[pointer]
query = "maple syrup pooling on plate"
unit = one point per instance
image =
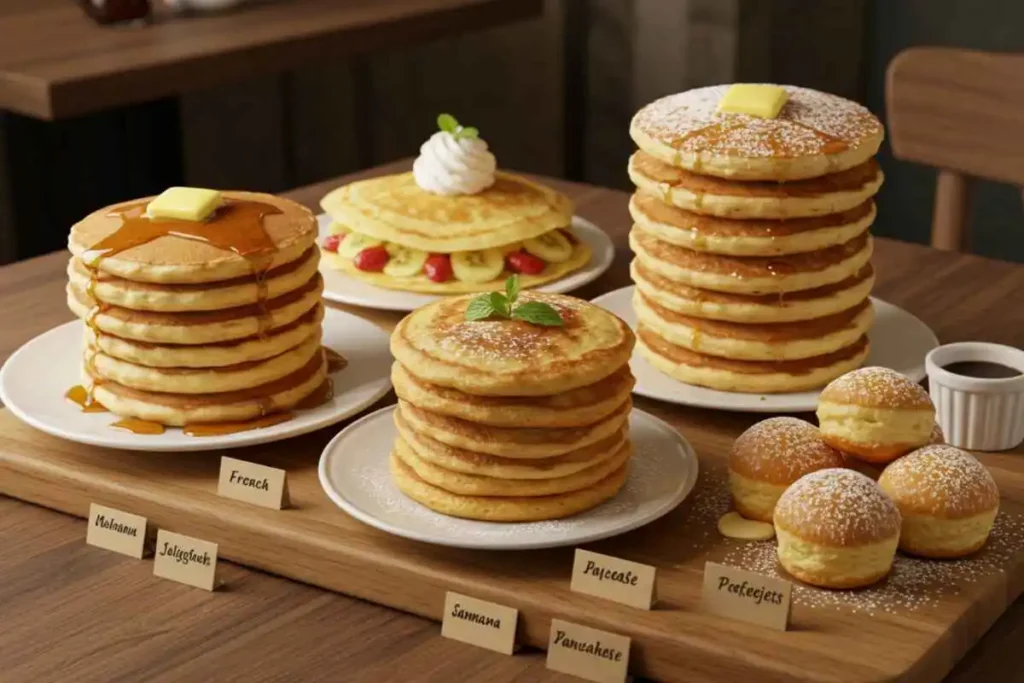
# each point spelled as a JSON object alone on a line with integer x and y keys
{"x": 235, "y": 226}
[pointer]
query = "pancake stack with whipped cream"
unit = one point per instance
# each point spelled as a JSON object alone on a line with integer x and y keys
{"x": 200, "y": 307}
{"x": 752, "y": 252}
{"x": 515, "y": 413}
{"x": 454, "y": 224}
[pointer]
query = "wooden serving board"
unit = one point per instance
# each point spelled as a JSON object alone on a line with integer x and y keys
{"x": 918, "y": 637}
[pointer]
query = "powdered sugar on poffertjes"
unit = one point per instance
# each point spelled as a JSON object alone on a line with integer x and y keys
{"x": 876, "y": 387}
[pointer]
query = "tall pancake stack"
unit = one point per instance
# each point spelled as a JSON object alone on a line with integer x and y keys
{"x": 752, "y": 265}
{"x": 503, "y": 420}
{"x": 199, "y": 321}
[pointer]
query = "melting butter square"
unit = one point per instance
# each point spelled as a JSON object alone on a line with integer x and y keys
{"x": 755, "y": 99}
{"x": 184, "y": 204}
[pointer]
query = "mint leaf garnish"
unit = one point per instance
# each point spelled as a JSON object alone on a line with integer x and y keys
{"x": 498, "y": 305}
{"x": 538, "y": 313}
{"x": 512, "y": 289}
{"x": 480, "y": 308}
{"x": 501, "y": 304}
{"x": 447, "y": 123}
{"x": 468, "y": 132}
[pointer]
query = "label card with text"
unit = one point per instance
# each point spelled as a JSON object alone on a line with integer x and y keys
{"x": 587, "y": 652}
{"x": 480, "y": 623}
{"x": 630, "y": 583}
{"x": 252, "y": 483}
{"x": 739, "y": 594}
{"x": 185, "y": 559}
{"x": 121, "y": 532}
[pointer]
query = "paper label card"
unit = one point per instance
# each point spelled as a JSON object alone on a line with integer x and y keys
{"x": 739, "y": 594}
{"x": 252, "y": 483}
{"x": 611, "y": 578}
{"x": 478, "y": 622}
{"x": 587, "y": 652}
{"x": 121, "y": 532}
{"x": 185, "y": 559}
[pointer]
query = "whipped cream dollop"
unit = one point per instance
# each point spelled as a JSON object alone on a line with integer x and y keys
{"x": 452, "y": 165}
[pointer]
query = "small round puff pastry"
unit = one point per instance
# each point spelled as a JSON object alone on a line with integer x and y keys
{"x": 947, "y": 499}
{"x": 875, "y": 414}
{"x": 770, "y": 456}
{"x": 836, "y": 529}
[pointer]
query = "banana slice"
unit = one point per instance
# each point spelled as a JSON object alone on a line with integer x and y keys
{"x": 551, "y": 246}
{"x": 336, "y": 228}
{"x": 478, "y": 266}
{"x": 509, "y": 248}
{"x": 355, "y": 242}
{"x": 404, "y": 262}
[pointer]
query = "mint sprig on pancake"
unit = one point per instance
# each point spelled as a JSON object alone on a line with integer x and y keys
{"x": 500, "y": 305}
{"x": 449, "y": 124}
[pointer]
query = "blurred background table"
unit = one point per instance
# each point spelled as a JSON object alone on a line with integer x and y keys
{"x": 70, "y": 610}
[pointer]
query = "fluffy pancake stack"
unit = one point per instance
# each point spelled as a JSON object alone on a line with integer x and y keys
{"x": 752, "y": 265}
{"x": 199, "y": 321}
{"x": 503, "y": 420}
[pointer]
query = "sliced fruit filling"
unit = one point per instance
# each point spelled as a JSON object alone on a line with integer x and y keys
{"x": 529, "y": 257}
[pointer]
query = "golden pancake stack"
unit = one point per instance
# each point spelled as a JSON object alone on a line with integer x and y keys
{"x": 198, "y": 321}
{"x": 752, "y": 252}
{"x": 508, "y": 421}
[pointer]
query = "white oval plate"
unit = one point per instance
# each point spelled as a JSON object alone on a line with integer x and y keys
{"x": 345, "y": 289}
{"x": 34, "y": 379}
{"x": 354, "y": 474}
{"x": 898, "y": 340}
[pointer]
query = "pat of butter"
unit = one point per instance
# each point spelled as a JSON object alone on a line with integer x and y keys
{"x": 755, "y": 99}
{"x": 184, "y": 204}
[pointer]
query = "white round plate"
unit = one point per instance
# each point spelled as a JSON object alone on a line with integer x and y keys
{"x": 354, "y": 474}
{"x": 898, "y": 340}
{"x": 345, "y": 289}
{"x": 35, "y": 378}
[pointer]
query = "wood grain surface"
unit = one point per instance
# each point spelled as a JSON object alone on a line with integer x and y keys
{"x": 961, "y": 297}
{"x": 55, "y": 62}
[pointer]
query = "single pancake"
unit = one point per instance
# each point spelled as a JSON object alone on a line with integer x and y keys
{"x": 203, "y": 380}
{"x": 758, "y": 342}
{"x": 484, "y": 465}
{"x": 755, "y": 377}
{"x": 748, "y": 237}
{"x": 197, "y": 327}
{"x": 574, "y": 408}
{"x": 511, "y": 442}
{"x": 750, "y": 274}
{"x": 753, "y": 308}
{"x": 815, "y": 133}
{"x": 709, "y": 196}
{"x": 259, "y": 347}
{"x": 280, "y": 232}
{"x": 501, "y": 357}
{"x": 505, "y": 509}
{"x": 206, "y": 296}
{"x": 183, "y": 409}
{"x": 464, "y": 484}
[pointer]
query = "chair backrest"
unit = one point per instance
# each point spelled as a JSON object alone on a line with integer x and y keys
{"x": 960, "y": 111}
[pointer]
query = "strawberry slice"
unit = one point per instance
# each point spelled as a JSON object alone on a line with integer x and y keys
{"x": 332, "y": 242}
{"x": 522, "y": 262}
{"x": 438, "y": 268}
{"x": 372, "y": 259}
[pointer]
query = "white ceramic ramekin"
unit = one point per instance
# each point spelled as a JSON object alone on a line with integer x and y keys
{"x": 977, "y": 413}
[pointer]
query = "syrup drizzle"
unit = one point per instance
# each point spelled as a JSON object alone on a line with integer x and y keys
{"x": 83, "y": 397}
{"x": 137, "y": 426}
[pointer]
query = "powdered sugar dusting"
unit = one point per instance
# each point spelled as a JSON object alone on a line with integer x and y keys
{"x": 876, "y": 387}
{"x": 838, "y": 506}
{"x": 914, "y": 584}
{"x": 781, "y": 450}
{"x": 942, "y": 479}
{"x": 811, "y": 122}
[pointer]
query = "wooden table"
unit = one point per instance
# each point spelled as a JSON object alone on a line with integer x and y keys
{"x": 56, "y": 63}
{"x": 70, "y": 609}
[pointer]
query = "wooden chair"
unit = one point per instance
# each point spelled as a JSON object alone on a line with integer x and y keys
{"x": 962, "y": 112}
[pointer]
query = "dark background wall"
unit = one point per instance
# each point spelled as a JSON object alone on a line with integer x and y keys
{"x": 552, "y": 95}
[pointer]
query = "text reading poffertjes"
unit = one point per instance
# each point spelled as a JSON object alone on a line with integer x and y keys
{"x": 740, "y": 594}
